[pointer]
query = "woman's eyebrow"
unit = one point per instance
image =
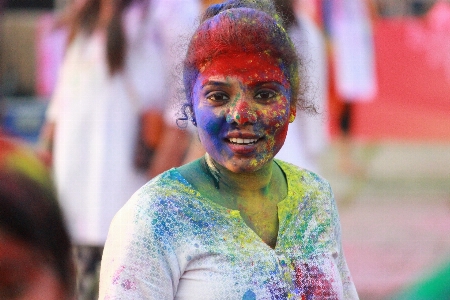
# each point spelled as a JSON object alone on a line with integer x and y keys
{"x": 266, "y": 82}
{"x": 263, "y": 83}
{"x": 215, "y": 83}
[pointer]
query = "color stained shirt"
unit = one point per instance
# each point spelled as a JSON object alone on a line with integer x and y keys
{"x": 169, "y": 242}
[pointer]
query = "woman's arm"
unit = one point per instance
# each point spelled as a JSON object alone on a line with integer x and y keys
{"x": 348, "y": 286}
{"x": 44, "y": 149}
{"x": 134, "y": 264}
{"x": 170, "y": 150}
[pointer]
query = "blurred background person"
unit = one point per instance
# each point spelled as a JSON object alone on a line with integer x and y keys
{"x": 117, "y": 66}
{"x": 349, "y": 29}
{"x": 35, "y": 250}
{"x": 308, "y": 134}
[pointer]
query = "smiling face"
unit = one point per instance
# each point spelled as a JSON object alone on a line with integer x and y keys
{"x": 242, "y": 108}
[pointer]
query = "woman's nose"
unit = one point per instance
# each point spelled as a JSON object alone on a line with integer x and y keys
{"x": 242, "y": 113}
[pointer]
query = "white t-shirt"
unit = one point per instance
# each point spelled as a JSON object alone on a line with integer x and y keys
{"x": 169, "y": 242}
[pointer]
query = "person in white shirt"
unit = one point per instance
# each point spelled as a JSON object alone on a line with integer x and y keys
{"x": 118, "y": 65}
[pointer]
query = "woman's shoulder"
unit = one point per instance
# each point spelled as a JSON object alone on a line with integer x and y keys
{"x": 311, "y": 189}
{"x": 163, "y": 206}
{"x": 166, "y": 189}
{"x": 167, "y": 185}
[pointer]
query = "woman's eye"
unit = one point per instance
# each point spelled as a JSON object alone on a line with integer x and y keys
{"x": 265, "y": 94}
{"x": 217, "y": 97}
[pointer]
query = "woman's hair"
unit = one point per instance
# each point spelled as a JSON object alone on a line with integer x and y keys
{"x": 86, "y": 19}
{"x": 286, "y": 10}
{"x": 234, "y": 27}
{"x": 29, "y": 210}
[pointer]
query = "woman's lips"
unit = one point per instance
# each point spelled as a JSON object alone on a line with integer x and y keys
{"x": 242, "y": 145}
{"x": 242, "y": 141}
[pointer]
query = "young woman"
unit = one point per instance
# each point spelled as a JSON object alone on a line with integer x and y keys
{"x": 235, "y": 224}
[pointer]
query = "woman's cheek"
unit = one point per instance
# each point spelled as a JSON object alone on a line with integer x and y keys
{"x": 273, "y": 118}
{"x": 281, "y": 136}
{"x": 210, "y": 124}
{"x": 276, "y": 127}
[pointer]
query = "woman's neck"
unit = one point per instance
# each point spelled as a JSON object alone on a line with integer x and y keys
{"x": 263, "y": 184}
{"x": 255, "y": 195}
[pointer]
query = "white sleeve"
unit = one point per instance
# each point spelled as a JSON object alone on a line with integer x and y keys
{"x": 134, "y": 264}
{"x": 64, "y": 81}
{"x": 54, "y": 105}
{"x": 348, "y": 286}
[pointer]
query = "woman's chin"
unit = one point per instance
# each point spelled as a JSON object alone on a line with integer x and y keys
{"x": 246, "y": 165}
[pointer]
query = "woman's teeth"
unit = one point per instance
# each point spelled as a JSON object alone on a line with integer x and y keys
{"x": 242, "y": 141}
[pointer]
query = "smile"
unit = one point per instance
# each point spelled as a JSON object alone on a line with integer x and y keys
{"x": 241, "y": 141}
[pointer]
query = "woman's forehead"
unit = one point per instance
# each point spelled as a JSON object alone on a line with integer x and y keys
{"x": 249, "y": 67}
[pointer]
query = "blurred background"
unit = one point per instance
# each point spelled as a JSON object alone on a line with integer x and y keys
{"x": 395, "y": 209}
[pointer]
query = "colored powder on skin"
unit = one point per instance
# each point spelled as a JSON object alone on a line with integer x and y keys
{"x": 251, "y": 67}
{"x": 266, "y": 119}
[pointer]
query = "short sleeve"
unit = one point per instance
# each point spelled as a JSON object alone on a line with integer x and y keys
{"x": 51, "y": 113}
{"x": 67, "y": 74}
{"x": 62, "y": 84}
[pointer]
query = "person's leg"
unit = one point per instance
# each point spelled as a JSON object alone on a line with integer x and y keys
{"x": 346, "y": 118}
{"x": 347, "y": 163}
{"x": 87, "y": 259}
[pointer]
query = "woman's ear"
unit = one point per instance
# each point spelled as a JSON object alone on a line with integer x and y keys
{"x": 292, "y": 113}
{"x": 193, "y": 119}
{"x": 191, "y": 114}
